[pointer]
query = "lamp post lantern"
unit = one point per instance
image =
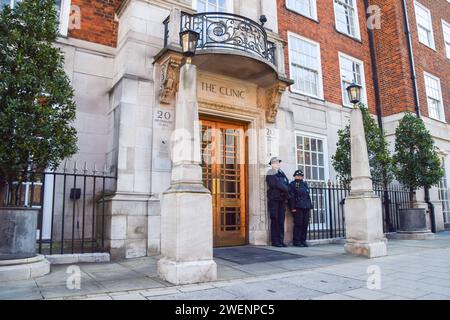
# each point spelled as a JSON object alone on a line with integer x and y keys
{"x": 354, "y": 93}
{"x": 189, "y": 40}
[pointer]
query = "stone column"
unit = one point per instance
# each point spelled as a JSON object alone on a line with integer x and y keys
{"x": 363, "y": 211}
{"x": 186, "y": 207}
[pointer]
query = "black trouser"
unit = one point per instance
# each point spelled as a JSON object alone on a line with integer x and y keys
{"x": 301, "y": 222}
{"x": 277, "y": 211}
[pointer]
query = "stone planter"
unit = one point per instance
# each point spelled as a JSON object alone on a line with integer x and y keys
{"x": 18, "y": 259}
{"x": 18, "y": 233}
{"x": 413, "y": 225}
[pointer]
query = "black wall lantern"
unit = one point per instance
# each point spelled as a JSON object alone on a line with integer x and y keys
{"x": 354, "y": 93}
{"x": 189, "y": 41}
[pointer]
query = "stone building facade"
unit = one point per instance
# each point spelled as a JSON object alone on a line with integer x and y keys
{"x": 282, "y": 96}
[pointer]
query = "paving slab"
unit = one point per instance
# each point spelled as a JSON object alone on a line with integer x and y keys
{"x": 130, "y": 284}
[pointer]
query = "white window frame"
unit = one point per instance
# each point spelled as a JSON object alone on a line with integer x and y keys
{"x": 325, "y": 150}
{"x": 325, "y": 224}
{"x": 363, "y": 79}
{"x": 63, "y": 15}
{"x": 442, "y": 109}
{"x": 432, "y": 44}
{"x": 357, "y": 34}
{"x": 444, "y": 191}
{"x": 230, "y": 8}
{"x": 446, "y": 25}
{"x": 313, "y": 5}
{"x": 320, "y": 94}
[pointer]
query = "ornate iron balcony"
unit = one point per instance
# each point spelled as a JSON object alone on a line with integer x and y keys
{"x": 220, "y": 30}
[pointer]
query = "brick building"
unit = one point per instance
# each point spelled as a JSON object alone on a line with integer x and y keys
{"x": 123, "y": 58}
{"x": 337, "y": 33}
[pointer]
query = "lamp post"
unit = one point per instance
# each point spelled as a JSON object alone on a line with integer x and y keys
{"x": 187, "y": 257}
{"x": 363, "y": 213}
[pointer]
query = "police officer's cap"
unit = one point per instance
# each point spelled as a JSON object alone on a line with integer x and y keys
{"x": 299, "y": 173}
{"x": 274, "y": 159}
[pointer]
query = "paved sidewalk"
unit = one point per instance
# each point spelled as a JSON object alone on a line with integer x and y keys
{"x": 412, "y": 270}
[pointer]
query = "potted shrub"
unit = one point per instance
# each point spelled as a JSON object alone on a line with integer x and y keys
{"x": 36, "y": 112}
{"x": 416, "y": 165}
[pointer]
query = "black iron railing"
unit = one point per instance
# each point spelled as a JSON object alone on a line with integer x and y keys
{"x": 327, "y": 215}
{"x": 220, "y": 30}
{"x": 71, "y": 208}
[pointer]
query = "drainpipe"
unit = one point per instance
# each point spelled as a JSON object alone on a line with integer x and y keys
{"x": 417, "y": 104}
{"x": 411, "y": 59}
{"x": 373, "y": 62}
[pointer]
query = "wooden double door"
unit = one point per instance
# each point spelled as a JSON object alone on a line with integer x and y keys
{"x": 224, "y": 174}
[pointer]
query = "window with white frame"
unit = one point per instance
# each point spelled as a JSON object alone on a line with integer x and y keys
{"x": 213, "y": 5}
{"x": 305, "y": 66}
{"x": 346, "y": 16}
{"x": 446, "y": 31}
{"x": 311, "y": 157}
{"x": 352, "y": 71}
{"x": 424, "y": 25}
{"x": 444, "y": 194}
{"x": 307, "y": 8}
{"x": 434, "y": 97}
{"x": 62, "y": 8}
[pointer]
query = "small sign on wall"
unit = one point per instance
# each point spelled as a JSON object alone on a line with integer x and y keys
{"x": 164, "y": 119}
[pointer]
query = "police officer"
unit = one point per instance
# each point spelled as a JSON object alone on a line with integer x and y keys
{"x": 277, "y": 195}
{"x": 300, "y": 205}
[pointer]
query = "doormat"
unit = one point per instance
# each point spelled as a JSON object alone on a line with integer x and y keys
{"x": 248, "y": 255}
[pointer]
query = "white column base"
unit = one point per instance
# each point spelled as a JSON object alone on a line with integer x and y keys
{"x": 364, "y": 226}
{"x": 187, "y": 235}
{"x": 189, "y": 272}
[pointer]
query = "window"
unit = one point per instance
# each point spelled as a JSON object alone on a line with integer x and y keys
{"x": 446, "y": 31}
{"x": 311, "y": 157}
{"x": 346, "y": 16}
{"x": 307, "y": 8}
{"x": 213, "y": 5}
{"x": 444, "y": 194}
{"x": 424, "y": 25}
{"x": 62, "y": 8}
{"x": 305, "y": 66}
{"x": 352, "y": 70}
{"x": 434, "y": 97}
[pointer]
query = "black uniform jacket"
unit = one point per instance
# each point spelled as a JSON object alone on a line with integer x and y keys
{"x": 300, "y": 195}
{"x": 278, "y": 185}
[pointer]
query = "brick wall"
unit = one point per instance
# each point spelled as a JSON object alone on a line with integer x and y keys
{"x": 97, "y": 21}
{"x": 429, "y": 60}
{"x": 331, "y": 42}
{"x": 393, "y": 58}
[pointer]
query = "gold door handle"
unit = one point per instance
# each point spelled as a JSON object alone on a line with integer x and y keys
{"x": 213, "y": 186}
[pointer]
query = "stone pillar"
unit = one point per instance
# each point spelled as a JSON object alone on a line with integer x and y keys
{"x": 186, "y": 207}
{"x": 363, "y": 211}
